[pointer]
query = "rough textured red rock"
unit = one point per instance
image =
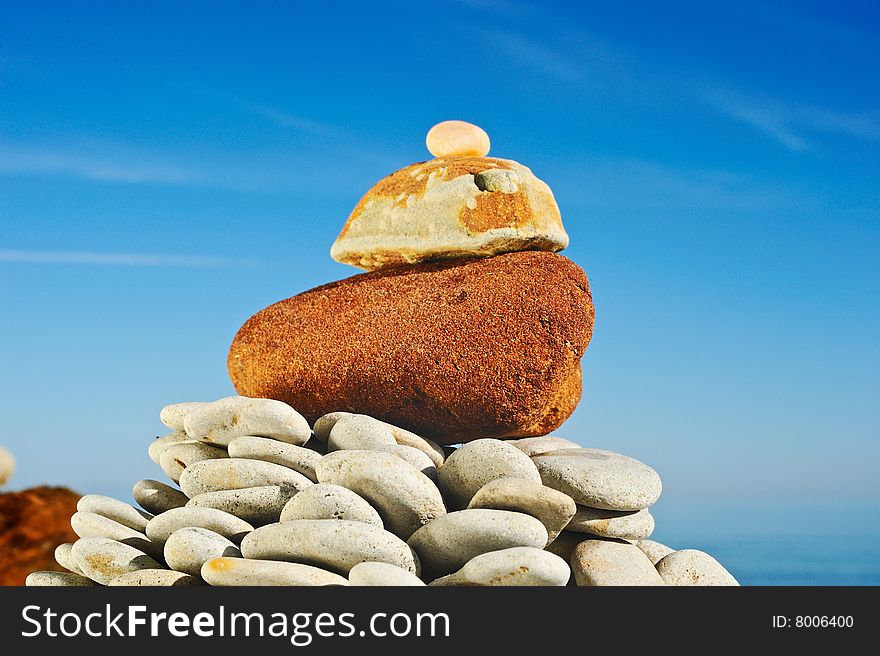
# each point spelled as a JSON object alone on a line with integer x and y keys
{"x": 455, "y": 350}
{"x": 32, "y": 523}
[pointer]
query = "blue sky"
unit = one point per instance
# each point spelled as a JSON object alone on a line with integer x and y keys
{"x": 168, "y": 169}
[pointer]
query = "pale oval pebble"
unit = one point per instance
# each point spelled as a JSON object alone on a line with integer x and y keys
{"x": 328, "y": 501}
{"x": 325, "y": 424}
{"x": 222, "y": 421}
{"x": 535, "y": 446}
{"x": 476, "y": 463}
{"x": 102, "y": 559}
{"x": 654, "y": 550}
{"x": 114, "y": 509}
{"x": 157, "y": 497}
{"x": 298, "y": 458}
{"x": 160, "y": 528}
{"x": 64, "y": 558}
{"x": 457, "y": 139}
{"x": 158, "y": 446}
{"x": 600, "y": 479}
{"x": 245, "y": 572}
{"x": 155, "y": 578}
{"x": 552, "y": 508}
{"x": 187, "y": 549}
{"x": 416, "y": 457}
{"x": 358, "y": 432}
{"x": 334, "y": 544}
{"x": 237, "y": 473}
{"x": 90, "y": 525}
{"x": 405, "y": 498}
{"x": 173, "y": 415}
{"x": 407, "y": 438}
{"x": 691, "y": 567}
{"x": 517, "y": 566}
{"x": 448, "y": 542}
{"x": 627, "y": 525}
{"x": 601, "y": 561}
{"x": 371, "y": 573}
{"x": 7, "y": 466}
{"x": 56, "y": 580}
{"x": 178, "y": 457}
{"x": 434, "y": 451}
{"x": 255, "y": 505}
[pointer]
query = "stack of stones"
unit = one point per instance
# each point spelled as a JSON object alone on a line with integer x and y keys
{"x": 467, "y": 329}
{"x": 467, "y": 325}
{"x": 262, "y": 498}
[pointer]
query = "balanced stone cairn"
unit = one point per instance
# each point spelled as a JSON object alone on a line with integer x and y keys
{"x": 467, "y": 325}
{"x": 262, "y": 498}
{"x": 393, "y": 428}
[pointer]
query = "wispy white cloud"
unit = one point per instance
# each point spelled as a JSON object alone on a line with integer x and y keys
{"x": 768, "y": 120}
{"x": 798, "y": 17}
{"x": 266, "y": 170}
{"x": 507, "y": 7}
{"x": 531, "y": 53}
{"x": 792, "y": 124}
{"x": 858, "y": 125}
{"x": 581, "y": 61}
{"x": 584, "y": 62}
{"x": 123, "y": 259}
{"x": 635, "y": 184}
{"x": 101, "y": 166}
{"x": 278, "y": 115}
{"x": 288, "y": 120}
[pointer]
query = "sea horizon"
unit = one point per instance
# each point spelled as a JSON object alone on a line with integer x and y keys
{"x": 787, "y": 543}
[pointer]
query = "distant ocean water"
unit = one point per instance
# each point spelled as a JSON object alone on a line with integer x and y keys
{"x": 778, "y": 544}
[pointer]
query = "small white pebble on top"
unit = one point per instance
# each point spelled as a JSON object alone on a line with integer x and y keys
{"x": 457, "y": 139}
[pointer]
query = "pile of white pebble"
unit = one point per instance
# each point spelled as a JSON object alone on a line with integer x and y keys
{"x": 265, "y": 499}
